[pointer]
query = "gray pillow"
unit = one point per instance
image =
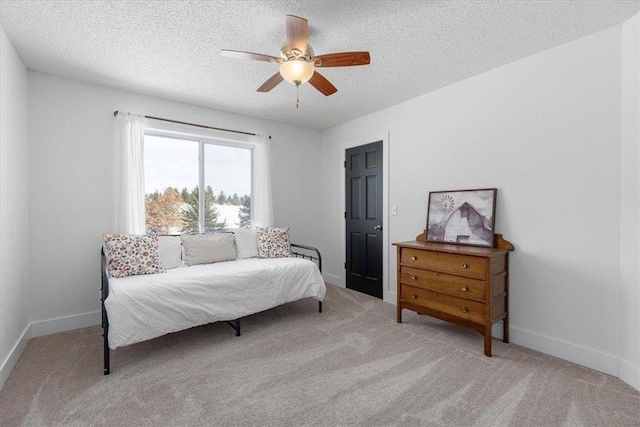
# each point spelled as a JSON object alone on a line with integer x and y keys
{"x": 208, "y": 248}
{"x": 246, "y": 243}
{"x": 170, "y": 251}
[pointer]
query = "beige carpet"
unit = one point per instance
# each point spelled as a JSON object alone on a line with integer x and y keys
{"x": 351, "y": 365}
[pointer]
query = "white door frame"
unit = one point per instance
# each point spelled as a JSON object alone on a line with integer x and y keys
{"x": 387, "y": 294}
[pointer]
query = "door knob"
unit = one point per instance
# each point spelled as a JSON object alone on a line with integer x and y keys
{"x": 378, "y": 227}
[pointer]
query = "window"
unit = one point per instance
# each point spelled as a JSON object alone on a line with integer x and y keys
{"x": 196, "y": 185}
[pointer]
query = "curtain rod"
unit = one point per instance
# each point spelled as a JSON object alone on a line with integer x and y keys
{"x": 115, "y": 114}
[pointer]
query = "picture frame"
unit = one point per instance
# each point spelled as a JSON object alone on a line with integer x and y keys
{"x": 462, "y": 217}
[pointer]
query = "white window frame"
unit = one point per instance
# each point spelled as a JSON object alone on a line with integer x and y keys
{"x": 202, "y": 139}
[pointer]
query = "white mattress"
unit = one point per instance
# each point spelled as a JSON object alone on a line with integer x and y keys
{"x": 148, "y": 306}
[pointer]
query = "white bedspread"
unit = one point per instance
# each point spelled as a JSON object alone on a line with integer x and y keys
{"x": 148, "y": 306}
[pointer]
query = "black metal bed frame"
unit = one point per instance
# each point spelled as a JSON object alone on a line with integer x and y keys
{"x": 235, "y": 324}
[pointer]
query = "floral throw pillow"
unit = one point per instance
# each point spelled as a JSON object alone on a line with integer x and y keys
{"x": 132, "y": 254}
{"x": 273, "y": 242}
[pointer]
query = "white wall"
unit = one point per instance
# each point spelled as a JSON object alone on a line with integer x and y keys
{"x": 70, "y": 142}
{"x": 14, "y": 312}
{"x": 546, "y": 132}
{"x": 630, "y": 205}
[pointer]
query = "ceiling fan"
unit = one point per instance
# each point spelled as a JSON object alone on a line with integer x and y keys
{"x": 298, "y": 62}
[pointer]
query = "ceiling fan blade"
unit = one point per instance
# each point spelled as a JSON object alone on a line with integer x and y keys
{"x": 322, "y": 84}
{"x": 271, "y": 83}
{"x": 238, "y": 54}
{"x": 297, "y": 33}
{"x": 343, "y": 59}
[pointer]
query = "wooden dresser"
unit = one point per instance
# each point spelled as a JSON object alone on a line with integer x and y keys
{"x": 465, "y": 285}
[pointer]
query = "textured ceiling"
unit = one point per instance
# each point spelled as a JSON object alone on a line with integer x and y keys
{"x": 171, "y": 49}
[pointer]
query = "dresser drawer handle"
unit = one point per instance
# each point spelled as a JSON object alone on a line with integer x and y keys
{"x": 465, "y": 310}
{"x": 413, "y": 258}
{"x": 414, "y": 296}
{"x": 465, "y": 266}
{"x": 413, "y": 277}
{"x": 464, "y": 288}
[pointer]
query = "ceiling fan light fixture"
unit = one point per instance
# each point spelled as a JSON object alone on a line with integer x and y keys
{"x": 297, "y": 71}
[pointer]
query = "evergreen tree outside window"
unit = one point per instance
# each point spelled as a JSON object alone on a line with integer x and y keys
{"x": 182, "y": 178}
{"x": 245, "y": 212}
{"x": 190, "y": 216}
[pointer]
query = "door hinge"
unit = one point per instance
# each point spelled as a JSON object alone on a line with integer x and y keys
{"x": 345, "y": 265}
{"x": 345, "y": 214}
{"x": 345, "y": 163}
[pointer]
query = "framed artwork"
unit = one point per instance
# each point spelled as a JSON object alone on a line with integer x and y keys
{"x": 462, "y": 217}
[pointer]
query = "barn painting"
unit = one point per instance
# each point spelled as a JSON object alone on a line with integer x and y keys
{"x": 465, "y": 217}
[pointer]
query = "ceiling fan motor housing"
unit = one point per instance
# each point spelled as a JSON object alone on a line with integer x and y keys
{"x": 289, "y": 54}
{"x": 296, "y": 67}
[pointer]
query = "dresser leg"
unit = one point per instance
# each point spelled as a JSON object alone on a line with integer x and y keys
{"x": 399, "y": 314}
{"x": 505, "y": 331}
{"x": 487, "y": 341}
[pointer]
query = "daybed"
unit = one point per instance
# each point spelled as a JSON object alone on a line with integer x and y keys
{"x": 141, "y": 307}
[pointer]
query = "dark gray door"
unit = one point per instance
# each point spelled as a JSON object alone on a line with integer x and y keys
{"x": 363, "y": 182}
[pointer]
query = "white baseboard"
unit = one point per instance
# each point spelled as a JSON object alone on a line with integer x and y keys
{"x": 10, "y": 362}
{"x": 66, "y": 323}
{"x": 392, "y": 298}
{"x": 497, "y": 331}
{"x": 629, "y": 374}
{"x": 571, "y": 352}
{"x": 561, "y": 349}
{"x": 333, "y": 279}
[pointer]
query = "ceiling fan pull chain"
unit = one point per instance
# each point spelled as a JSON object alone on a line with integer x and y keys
{"x": 298, "y": 95}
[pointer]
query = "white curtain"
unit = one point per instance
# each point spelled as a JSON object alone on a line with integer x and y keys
{"x": 262, "y": 202}
{"x": 129, "y": 174}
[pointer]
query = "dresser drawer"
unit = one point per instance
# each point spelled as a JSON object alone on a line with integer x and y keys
{"x": 460, "y": 265}
{"x": 464, "y": 309}
{"x": 462, "y": 287}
